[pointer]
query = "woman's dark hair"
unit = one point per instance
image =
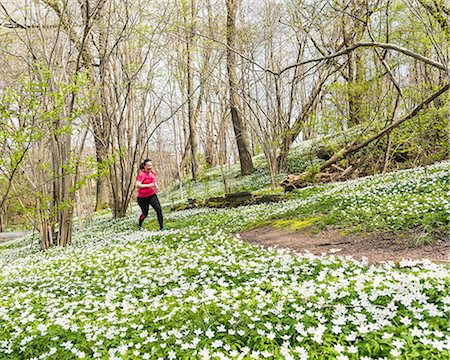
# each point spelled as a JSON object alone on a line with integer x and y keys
{"x": 142, "y": 166}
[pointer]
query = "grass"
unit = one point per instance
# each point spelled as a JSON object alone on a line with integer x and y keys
{"x": 295, "y": 224}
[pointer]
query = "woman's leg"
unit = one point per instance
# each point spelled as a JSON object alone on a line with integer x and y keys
{"x": 154, "y": 202}
{"x": 144, "y": 205}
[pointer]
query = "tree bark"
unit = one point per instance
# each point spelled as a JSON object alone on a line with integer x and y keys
{"x": 190, "y": 94}
{"x": 355, "y": 64}
{"x": 245, "y": 156}
{"x": 102, "y": 194}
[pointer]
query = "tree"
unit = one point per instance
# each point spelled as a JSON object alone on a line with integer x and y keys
{"x": 239, "y": 127}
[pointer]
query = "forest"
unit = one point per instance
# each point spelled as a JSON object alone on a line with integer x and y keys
{"x": 301, "y": 151}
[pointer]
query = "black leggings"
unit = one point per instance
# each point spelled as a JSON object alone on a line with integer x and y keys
{"x": 144, "y": 203}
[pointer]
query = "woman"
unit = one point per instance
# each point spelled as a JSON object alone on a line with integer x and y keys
{"x": 147, "y": 189}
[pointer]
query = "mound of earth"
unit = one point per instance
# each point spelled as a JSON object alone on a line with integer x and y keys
{"x": 375, "y": 246}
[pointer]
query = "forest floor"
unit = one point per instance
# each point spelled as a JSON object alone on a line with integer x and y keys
{"x": 199, "y": 291}
{"x": 378, "y": 246}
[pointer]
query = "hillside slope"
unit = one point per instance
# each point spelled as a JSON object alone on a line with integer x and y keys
{"x": 307, "y": 156}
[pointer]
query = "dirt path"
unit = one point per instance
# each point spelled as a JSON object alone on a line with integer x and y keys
{"x": 377, "y": 246}
{"x": 11, "y": 235}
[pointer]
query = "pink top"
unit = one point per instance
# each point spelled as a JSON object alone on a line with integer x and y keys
{"x": 146, "y": 178}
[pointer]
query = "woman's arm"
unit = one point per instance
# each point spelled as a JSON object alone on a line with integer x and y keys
{"x": 140, "y": 185}
{"x": 157, "y": 190}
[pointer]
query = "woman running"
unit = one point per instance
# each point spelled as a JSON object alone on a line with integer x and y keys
{"x": 147, "y": 189}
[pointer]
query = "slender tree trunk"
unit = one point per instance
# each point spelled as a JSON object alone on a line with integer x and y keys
{"x": 101, "y": 124}
{"x": 355, "y": 65}
{"x": 190, "y": 94}
{"x": 102, "y": 194}
{"x": 2, "y": 220}
{"x": 210, "y": 155}
{"x": 185, "y": 156}
{"x": 245, "y": 155}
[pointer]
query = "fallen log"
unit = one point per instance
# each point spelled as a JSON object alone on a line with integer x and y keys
{"x": 230, "y": 200}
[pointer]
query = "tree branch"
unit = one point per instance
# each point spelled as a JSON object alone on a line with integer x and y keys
{"x": 370, "y": 44}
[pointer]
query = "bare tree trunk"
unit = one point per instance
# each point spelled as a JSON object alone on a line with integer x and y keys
{"x": 355, "y": 63}
{"x": 102, "y": 194}
{"x": 190, "y": 93}
{"x": 245, "y": 156}
{"x": 210, "y": 154}
{"x": 185, "y": 156}
{"x": 180, "y": 182}
{"x": 2, "y": 220}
